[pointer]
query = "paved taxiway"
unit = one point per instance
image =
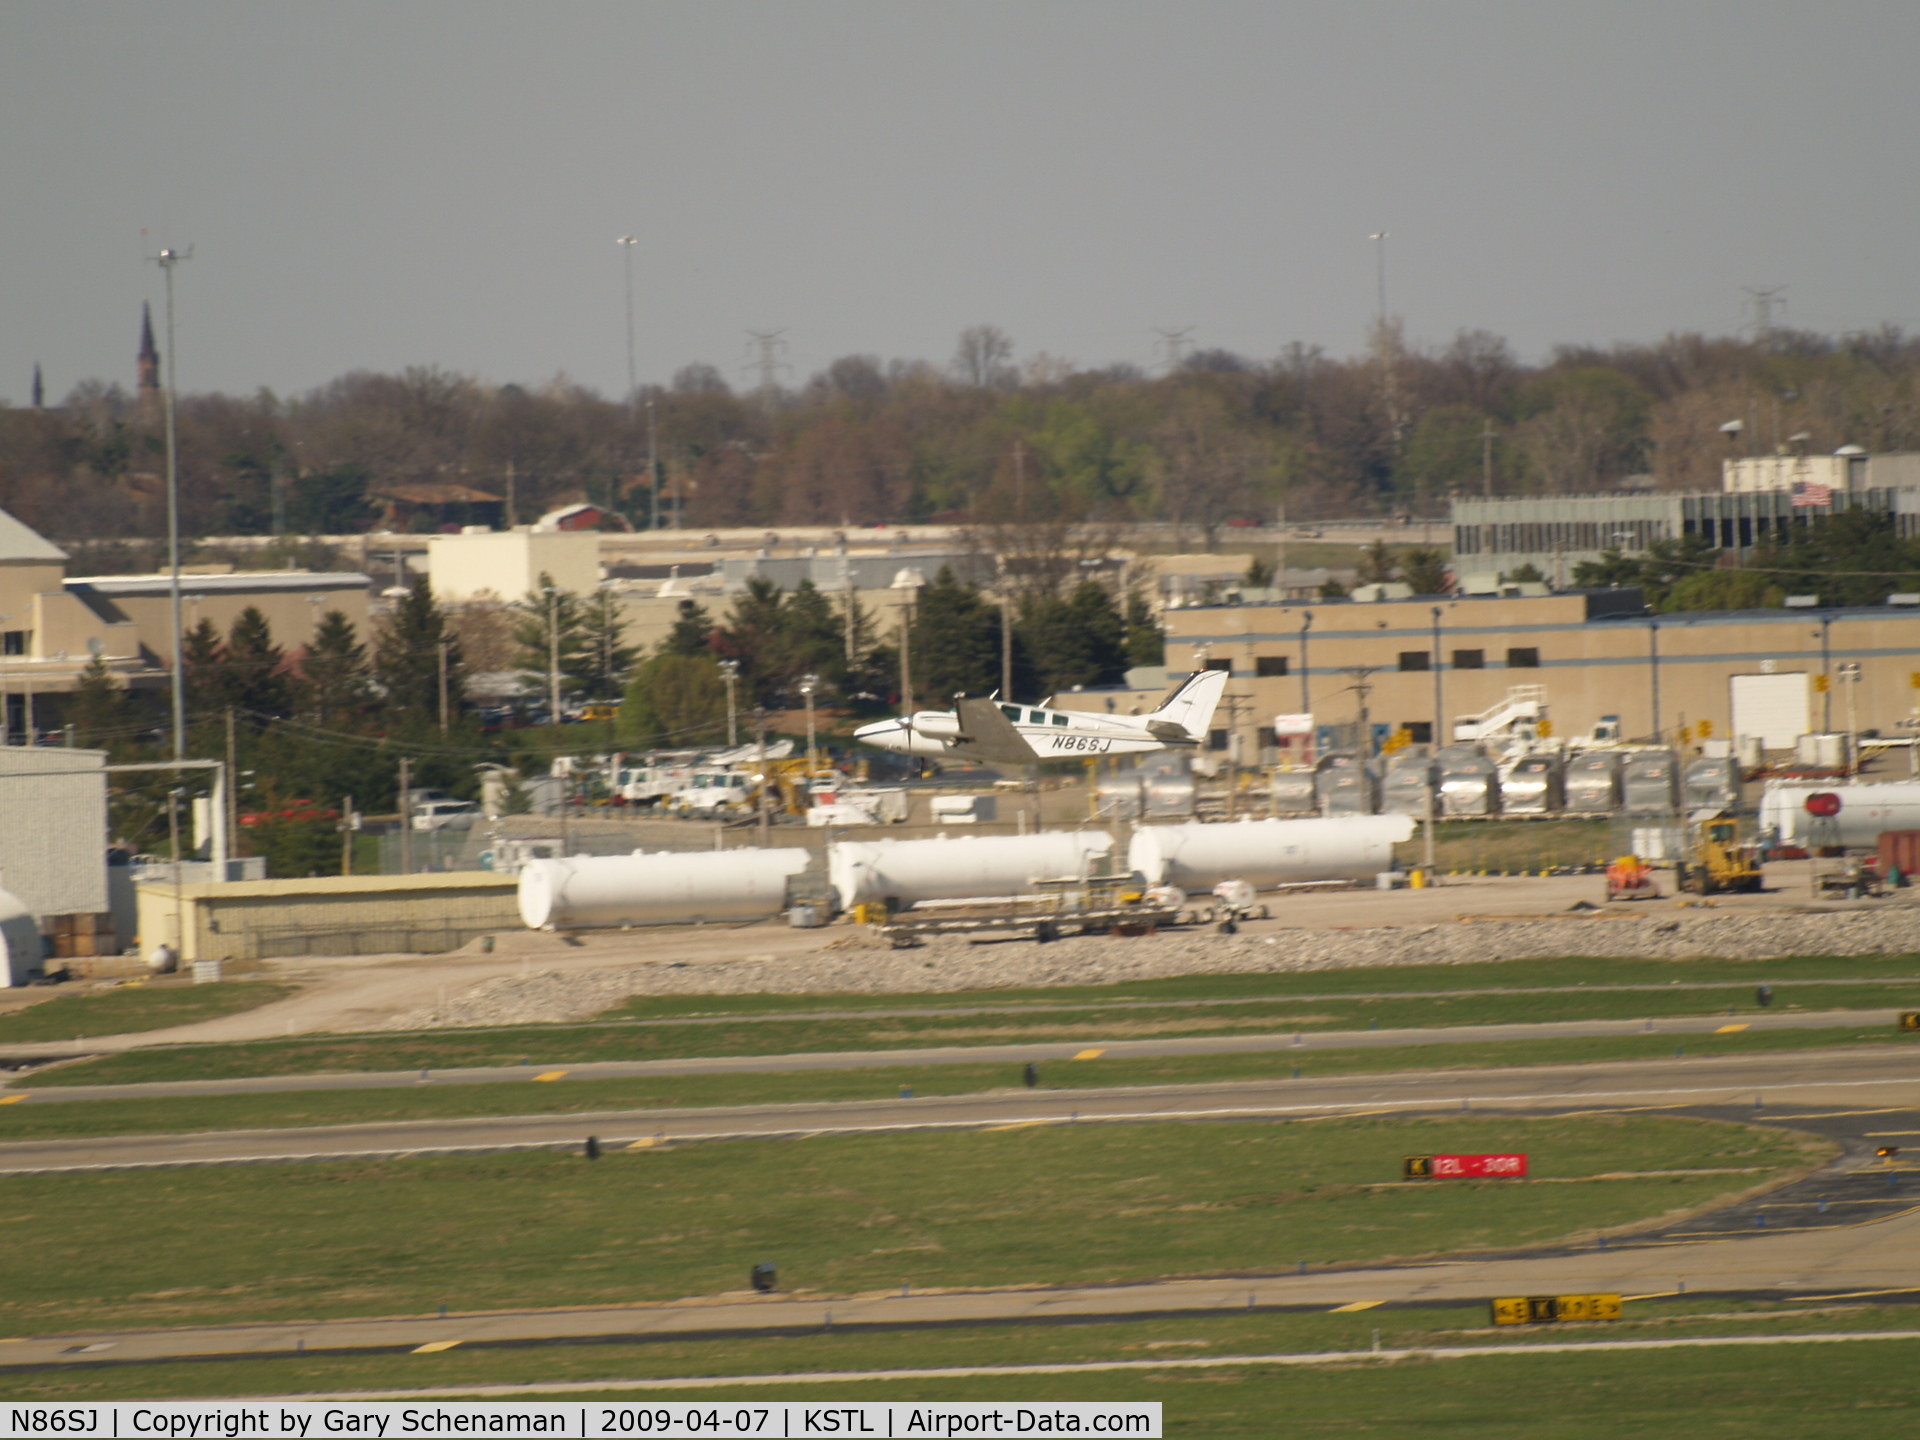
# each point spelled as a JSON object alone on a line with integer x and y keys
{"x": 1012, "y": 1055}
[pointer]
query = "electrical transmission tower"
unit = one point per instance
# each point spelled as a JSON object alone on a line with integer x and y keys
{"x": 765, "y": 352}
{"x": 1762, "y": 297}
{"x": 1174, "y": 346}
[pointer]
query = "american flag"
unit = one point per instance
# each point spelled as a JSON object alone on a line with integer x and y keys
{"x": 1809, "y": 492}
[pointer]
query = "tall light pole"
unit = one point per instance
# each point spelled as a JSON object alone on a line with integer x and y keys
{"x": 808, "y": 684}
{"x": 907, "y": 583}
{"x": 166, "y": 260}
{"x": 730, "y": 672}
{"x": 1379, "y": 238}
{"x": 626, "y": 244}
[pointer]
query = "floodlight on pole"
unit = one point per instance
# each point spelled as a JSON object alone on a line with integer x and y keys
{"x": 730, "y": 672}
{"x": 166, "y": 260}
{"x": 809, "y": 684}
{"x": 626, "y": 244}
{"x": 1379, "y": 238}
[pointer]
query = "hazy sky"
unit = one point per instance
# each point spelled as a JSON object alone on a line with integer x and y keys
{"x": 374, "y": 185}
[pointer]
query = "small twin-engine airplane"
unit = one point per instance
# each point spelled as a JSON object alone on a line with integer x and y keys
{"x": 991, "y": 729}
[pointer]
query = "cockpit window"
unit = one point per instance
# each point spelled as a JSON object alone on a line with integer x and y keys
{"x": 1036, "y": 717}
{"x": 1059, "y": 719}
{"x": 1012, "y": 712}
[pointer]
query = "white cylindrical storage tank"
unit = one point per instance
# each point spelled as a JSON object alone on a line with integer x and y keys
{"x": 1267, "y": 853}
{"x": 596, "y": 891}
{"x": 1865, "y": 810}
{"x": 864, "y": 872}
{"x": 22, "y": 951}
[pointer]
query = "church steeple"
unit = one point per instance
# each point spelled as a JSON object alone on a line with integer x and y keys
{"x": 149, "y": 356}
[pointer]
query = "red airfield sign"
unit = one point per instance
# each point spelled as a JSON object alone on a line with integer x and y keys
{"x": 1463, "y": 1167}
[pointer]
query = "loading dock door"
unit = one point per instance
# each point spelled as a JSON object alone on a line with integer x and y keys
{"x": 1774, "y": 707}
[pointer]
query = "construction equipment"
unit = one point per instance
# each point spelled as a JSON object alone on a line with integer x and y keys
{"x": 1631, "y": 878}
{"x": 1718, "y": 861}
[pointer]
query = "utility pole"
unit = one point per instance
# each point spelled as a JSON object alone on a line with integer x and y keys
{"x": 1653, "y": 668}
{"x": 1486, "y": 458}
{"x": 166, "y": 260}
{"x": 847, "y": 576}
{"x": 232, "y": 787}
{"x": 173, "y": 847}
{"x": 1006, "y": 648}
{"x": 1235, "y": 704}
{"x": 1019, "y": 478}
{"x": 1306, "y": 696}
{"x": 766, "y": 780}
{"x": 730, "y": 672}
{"x": 1439, "y": 734}
{"x": 653, "y": 469}
{"x": 553, "y": 655}
{"x": 444, "y": 642}
{"x": 1362, "y": 688}
{"x": 808, "y": 684}
{"x": 406, "y": 815}
{"x": 346, "y": 836}
{"x": 513, "y": 508}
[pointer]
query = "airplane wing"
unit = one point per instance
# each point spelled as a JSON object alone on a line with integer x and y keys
{"x": 988, "y": 734}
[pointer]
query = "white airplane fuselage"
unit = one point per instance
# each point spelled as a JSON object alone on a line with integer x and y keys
{"x": 1053, "y": 734}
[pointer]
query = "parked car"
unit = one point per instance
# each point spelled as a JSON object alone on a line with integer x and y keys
{"x": 445, "y": 815}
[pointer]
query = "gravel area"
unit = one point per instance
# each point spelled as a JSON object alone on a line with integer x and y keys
{"x": 858, "y": 963}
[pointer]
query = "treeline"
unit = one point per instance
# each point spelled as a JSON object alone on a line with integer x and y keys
{"x": 1222, "y": 437}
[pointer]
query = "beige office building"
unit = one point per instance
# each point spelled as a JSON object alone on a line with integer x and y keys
{"x": 52, "y": 624}
{"x": 1596, "y": 654}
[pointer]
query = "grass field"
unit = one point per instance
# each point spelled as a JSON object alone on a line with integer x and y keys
{"x": 1794, "y": 1391}
{"x": 127, "y": 1009}
{"x": 176, "y": 1115}
{"x": 838, "y": 1214}
{"x": 686, "y": 1026}
{"x": 1473, "y": 845}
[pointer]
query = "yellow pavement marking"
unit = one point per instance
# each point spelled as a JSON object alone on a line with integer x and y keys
{"x": 647, "y": 1142}
{"x": 1356, "y": 1305}
{"x": 1730, "y": 1029}
{"x": 1847, "y": 1114}
{"x": 1871, "y": 1134}
{"x": 1861, "y": 1294}
{"x": 1016, "y": 1125}
{"x": 1089, "y": 1054}
{"x": 550, "y": 1075}
{"x": 434, "y": 1347}
{"x": 11, "y": 1099}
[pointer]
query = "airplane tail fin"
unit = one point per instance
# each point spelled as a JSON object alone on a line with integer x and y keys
{"x": 1191, "y": 703}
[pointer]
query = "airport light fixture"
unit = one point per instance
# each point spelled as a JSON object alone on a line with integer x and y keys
{"x": 167, "y": 260}
{"x": 809, "y": 684}
{"x": 730, "y": 672}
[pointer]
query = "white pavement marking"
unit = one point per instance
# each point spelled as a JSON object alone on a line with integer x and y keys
{"x": 1089, "y": 1367}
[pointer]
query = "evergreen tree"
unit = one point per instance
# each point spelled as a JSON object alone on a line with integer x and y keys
{"x": 203, "y": 659}
{"x": 335, "y": 671}
{"x": 1377, "y": 565}
{"x": 1078, "y": 639}
{"x": 812, "y": 640}
{"x": 552, "y": 626}
{"x": 98, "y": 708}
{"x": 692, "y": 629}
{"x": 1426, "y": 570}
{"x": 406, "y": 660}
{"x": 1146, "y": 641}
{"x": 955, "y": 642}
{"x": 607, "y": 659}
{"x": 752, "y": 636}
{"x": 254, "y": 682}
